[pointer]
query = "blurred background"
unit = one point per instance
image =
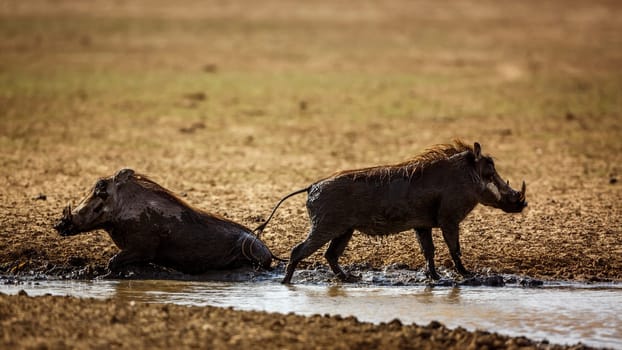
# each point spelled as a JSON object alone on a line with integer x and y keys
{"x": 232, "y": 104}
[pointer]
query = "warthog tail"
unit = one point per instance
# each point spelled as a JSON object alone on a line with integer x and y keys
{"x": 261, "y": 227}
{"x": 279, "y": 259}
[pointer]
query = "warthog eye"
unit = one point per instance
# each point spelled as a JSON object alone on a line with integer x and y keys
{"x": 100, "y": 189}
{"x": 487, "y": 169}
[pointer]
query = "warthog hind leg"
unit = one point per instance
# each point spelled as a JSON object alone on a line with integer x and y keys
{"x": 313, "y": 242}
{"x": 334, "y": 251}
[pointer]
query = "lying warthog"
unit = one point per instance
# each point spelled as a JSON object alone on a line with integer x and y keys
{"x": 437, "y": 188}
{"x": 150, "y": 224}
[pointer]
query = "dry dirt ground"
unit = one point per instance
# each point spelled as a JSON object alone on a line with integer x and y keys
{"x": 232, "y": 106}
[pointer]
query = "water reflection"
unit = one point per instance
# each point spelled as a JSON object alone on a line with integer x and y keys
{"x": 336, "y": 291}
{"x": 453, "y": 297}
{"x": 561, "y": 314}
{"x": 434, "y": 295}
{"x": 153, "y": 291}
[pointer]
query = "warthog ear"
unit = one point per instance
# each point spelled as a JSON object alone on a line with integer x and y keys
{"x": 123, "y": 175}
{"x": 477, "y": 151}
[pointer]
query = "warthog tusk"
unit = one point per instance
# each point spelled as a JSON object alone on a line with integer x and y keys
{"x": 67, "y": 212}
{"x": 522, "y": 191}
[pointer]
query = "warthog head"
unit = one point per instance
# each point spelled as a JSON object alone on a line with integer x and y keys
{"x": 96, "y": 209}
{"x": 494, "y": 191}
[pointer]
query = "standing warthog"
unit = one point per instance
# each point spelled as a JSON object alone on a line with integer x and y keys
{"x": 150, "y": 224}
{"x": 437, "y": 188}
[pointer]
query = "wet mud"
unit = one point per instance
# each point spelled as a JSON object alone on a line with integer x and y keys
{"x": 318, "y": 274}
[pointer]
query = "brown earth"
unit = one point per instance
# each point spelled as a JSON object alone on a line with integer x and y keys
{"x": 233, "y": 106}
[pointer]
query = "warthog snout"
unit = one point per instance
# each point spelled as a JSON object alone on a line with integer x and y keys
{"x": 516, "y": 201}
{"x": 65, "y": 225}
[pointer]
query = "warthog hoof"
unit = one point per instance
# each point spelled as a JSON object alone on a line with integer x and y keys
{"x": 349, "y": 278}
{"x": 465, "y": 273}
{"x": 433, "y": 275}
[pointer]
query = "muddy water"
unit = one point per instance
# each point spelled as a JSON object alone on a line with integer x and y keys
{"x": 563, "y": 313}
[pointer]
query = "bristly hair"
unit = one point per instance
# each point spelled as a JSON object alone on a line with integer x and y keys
{"x": 410, "y": 167}
{"x": 148, "y": 184}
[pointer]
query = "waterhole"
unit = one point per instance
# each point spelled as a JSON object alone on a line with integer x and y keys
{"x": 560, "y": 312}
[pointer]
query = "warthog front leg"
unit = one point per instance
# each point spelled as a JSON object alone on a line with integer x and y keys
{"x": 451, "y": 236}
{"x": 424, "y": 235}
{"x": 124, "y": 258}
